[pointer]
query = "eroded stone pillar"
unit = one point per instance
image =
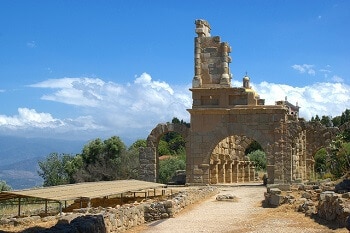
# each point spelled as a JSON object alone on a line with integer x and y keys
{"x": 235, "y": 171}
{"x": 214, "y": 172}
{"x": 222, "y": 171}
{"x": 228, "y": 178}
{"x": 148, "y": 164}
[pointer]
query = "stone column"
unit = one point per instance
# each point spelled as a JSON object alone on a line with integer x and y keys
{"x": 214, "y": 172}
{"x": 225, "y": 76}
{"x": 221, "y": 173}
{"x": 252, "y": 172}
{"x": 228, "y": 178}
{"x": 241, "y": 171}
{"x": 235, "y": 171}
{"x": 247, "y": 171}
{"x": 197, "y": 80}
{"x": 148, "y": 164}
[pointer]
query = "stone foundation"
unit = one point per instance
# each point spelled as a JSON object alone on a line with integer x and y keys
{"x": 119, "y": 218}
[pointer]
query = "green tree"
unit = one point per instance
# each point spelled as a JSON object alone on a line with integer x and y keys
{"x": 336, "y": 121}
{"x": 54, "y": 169}
{"x": 345, "y": 116}
{"x": 339, "y": 157}
{"x": 317, "y": 118}
{"x": 130, "y": 160}
{"x": 326, "y": 121}
{"x": 163, "y": 148}
{"x": 259, "y": 159}
{"x": 4, "y": 186}
{"x": 253, "y": 147}
{"x": 168, "y": 167}
{"x": 321, "y": 158}
{"x": 102, "y": 160}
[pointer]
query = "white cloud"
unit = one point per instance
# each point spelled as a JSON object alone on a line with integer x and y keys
{"x": 337, "y": 79}
{"x": 305, "y": 68}
{"x": 132, "y": 110}
{"x": 140, "y": 105}
{"x": 329, "y": 99}
{"x": 29, "y": 118}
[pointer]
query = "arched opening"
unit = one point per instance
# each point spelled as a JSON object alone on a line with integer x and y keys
{"x": 149, "y": 156}
{"x": 229, "y": 162}
{"x": 257, "y": 155}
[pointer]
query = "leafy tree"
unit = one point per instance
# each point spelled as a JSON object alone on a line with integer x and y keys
{"x": 259, "y": 158}
{"x": 102, "y": 160}
{"x": 345, "y": 116}
{"x": 339, "y": 158}
{"x": 336, "y": 121}
{"x": 54, "y": 169}
{"x": 253, "y": 147}
{"x": 326, "y": 121}
{"x": 4, "y": 186}
{"x": 163, "y": 148}
{"x": 175, "y": 120}
{"x": 168, "y": 167}
{"x": 317, "y": 118}
{"x": 130, "y": 160}
{"x": 321, "y": 157}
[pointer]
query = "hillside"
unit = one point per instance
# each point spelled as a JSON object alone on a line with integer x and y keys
{"x": 19, "y": 158}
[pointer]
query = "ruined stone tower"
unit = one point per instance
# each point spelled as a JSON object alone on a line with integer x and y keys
{"x": 226, "y": 119}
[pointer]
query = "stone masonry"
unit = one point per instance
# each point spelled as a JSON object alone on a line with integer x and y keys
{"x": 226, "y": 119}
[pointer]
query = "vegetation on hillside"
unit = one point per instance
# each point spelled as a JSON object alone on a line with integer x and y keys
{"x": 111, "y": 159}
{"x": 334, "y": 160}
{"x": 99, "y": 161}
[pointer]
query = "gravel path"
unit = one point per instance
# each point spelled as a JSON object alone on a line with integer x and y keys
{"x": 243, "y": 215}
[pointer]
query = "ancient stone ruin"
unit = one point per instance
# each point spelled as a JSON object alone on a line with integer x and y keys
{"x": 226, "y": 119}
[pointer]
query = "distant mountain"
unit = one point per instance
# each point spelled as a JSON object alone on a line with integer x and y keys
{"x": 19, "y": 158}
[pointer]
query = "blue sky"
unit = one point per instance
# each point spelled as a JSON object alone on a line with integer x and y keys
{"x": 88, "y": 69}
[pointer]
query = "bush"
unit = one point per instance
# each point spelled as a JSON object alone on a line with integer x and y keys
{"x": 259, "y": 158}
{"x": 168, "y": 167}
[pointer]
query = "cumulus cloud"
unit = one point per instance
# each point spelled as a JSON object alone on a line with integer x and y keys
{"x": 133, "y": 109}
{"x": 29, "y": 118}
{"x": 326, "y": 98}
{"x": 305, "y": 68}
{"x": 122, "y": 108}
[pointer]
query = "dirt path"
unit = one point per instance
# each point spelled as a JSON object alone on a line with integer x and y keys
{"x": 244, "y": 215}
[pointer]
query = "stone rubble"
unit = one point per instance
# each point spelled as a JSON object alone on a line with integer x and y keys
{"x": 314, "y": 200}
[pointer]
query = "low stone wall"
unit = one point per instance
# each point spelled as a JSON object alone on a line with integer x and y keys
{"x": 119, "y": 218}
{"x": 169, "y": 208}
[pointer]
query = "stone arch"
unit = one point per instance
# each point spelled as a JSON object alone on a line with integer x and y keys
{"x": 225, "y": 130}
{"x": 148, "y": 156}
{"x": 228, "y": 163}
{"x": 219, "y": 134}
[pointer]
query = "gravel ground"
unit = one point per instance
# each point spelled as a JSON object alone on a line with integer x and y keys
{"x": 246, "y": 214}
